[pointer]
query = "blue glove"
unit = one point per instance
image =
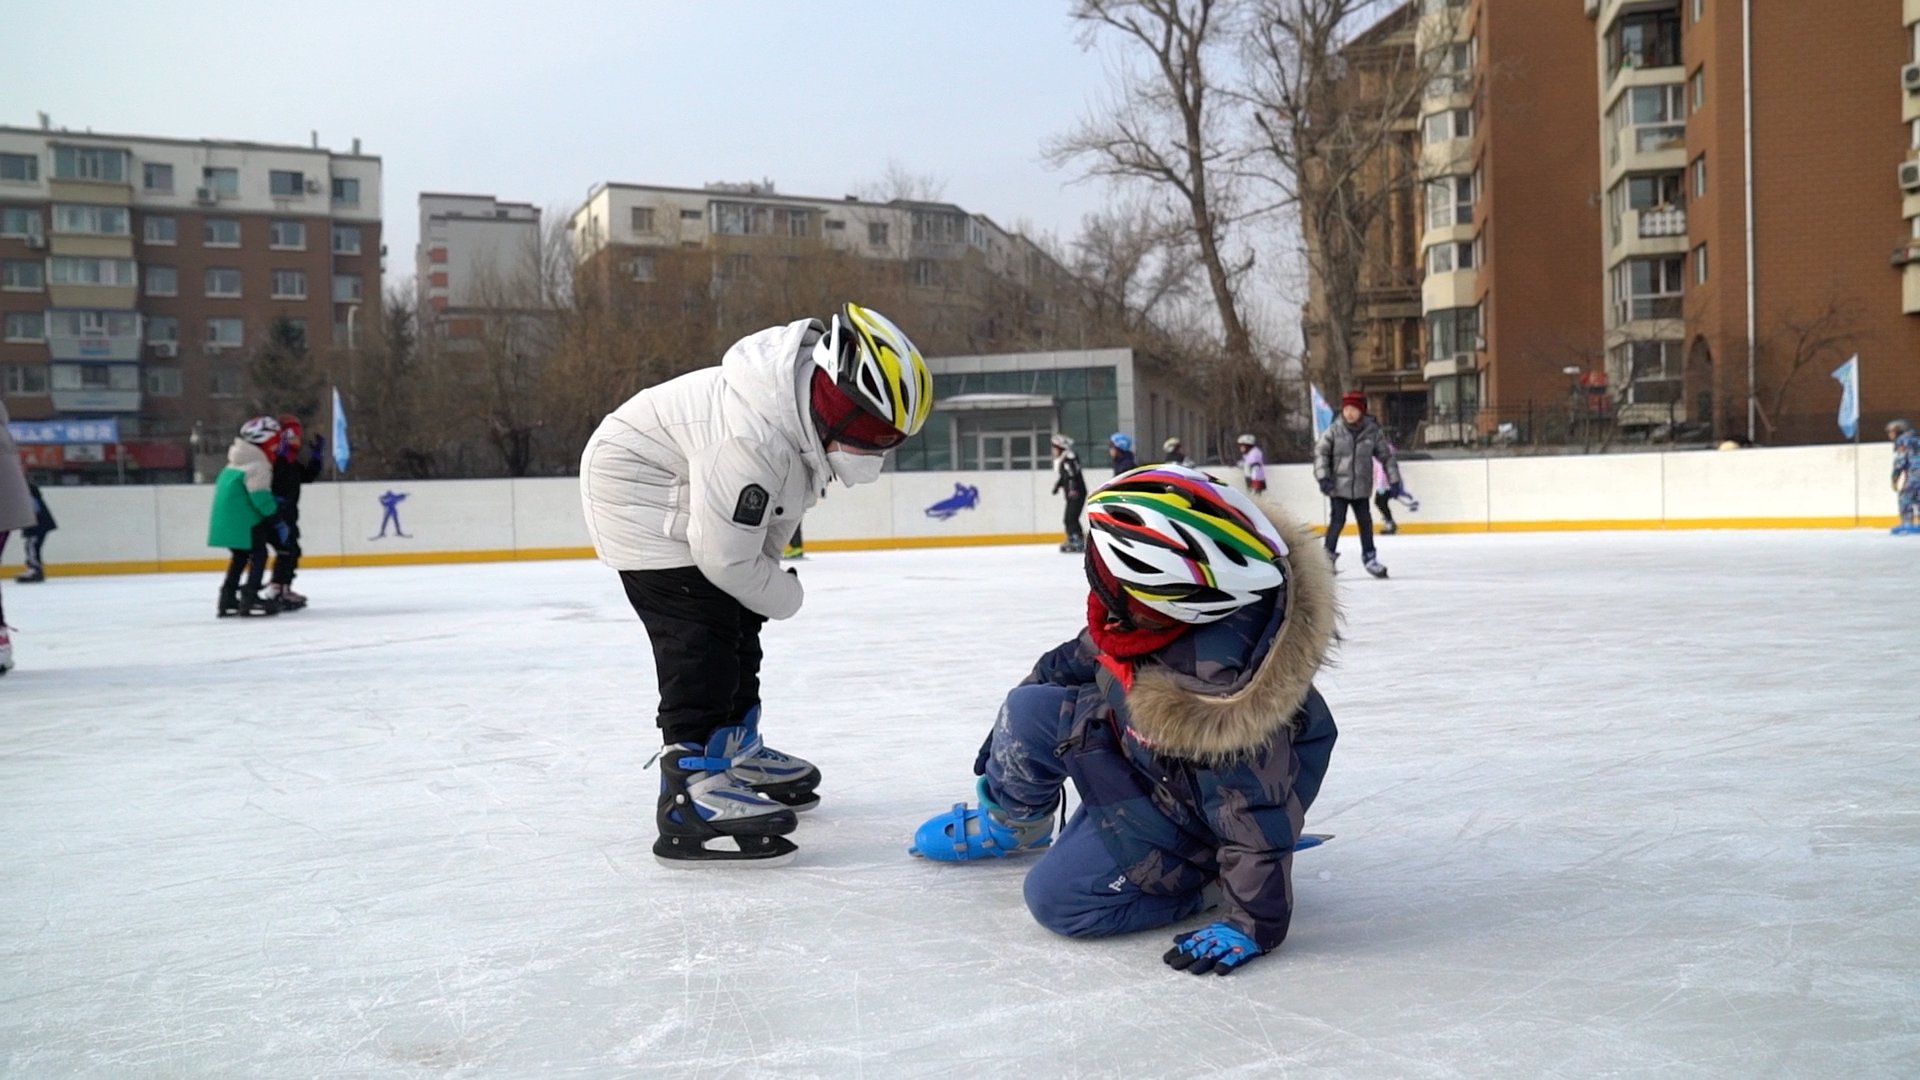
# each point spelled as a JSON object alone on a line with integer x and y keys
{"x": 1218, "y": 948}
{"x": 318, "y": 442}
{"x": 280, "y": 531}
{"x": 1396, "y": 491}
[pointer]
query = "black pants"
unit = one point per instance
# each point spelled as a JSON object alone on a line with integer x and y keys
{"x": 706, "y": 650}
{"x": 253, "y": 560}
{"x": 1361, "y": 517}
{"x": 1385, "y": 506}
{"x": 34, "y": 538}
{"x": 286, "y": 555}
{"x": 1075, "y": 504}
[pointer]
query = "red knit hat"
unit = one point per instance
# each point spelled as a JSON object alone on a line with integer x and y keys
{"x": 1354, "y": 398}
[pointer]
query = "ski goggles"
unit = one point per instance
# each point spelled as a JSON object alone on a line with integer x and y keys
{"x": 841, "y": 420}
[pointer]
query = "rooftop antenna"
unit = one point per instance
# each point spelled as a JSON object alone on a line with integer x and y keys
{"x": 46, "y": 122}
{"x": 315, "y": 134}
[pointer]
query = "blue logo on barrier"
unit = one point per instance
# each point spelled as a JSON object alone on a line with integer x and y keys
{"x": 390, "y": 502}
{"x": 964, "y": 497}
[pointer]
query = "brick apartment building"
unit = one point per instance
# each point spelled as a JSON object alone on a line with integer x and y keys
{"x": 141, "y": 272}
{"x": 1564, "y": 278}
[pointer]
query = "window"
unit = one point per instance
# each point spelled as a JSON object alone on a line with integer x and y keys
{"x": 1700, "y": 177}
{"x": 282, "y": 184}
{"x": 1456, "y": 398}
{"x": 1648, "y": 288}
{"x": 877, "y": 233}
{"x": 1700, "y": 264}
{"x": 1450, "y": 201}
{"x": 163, "y": 281}
{"x": 836, "y": 225}
{"x": 1646, "y": 39}
{"x": 289, "y": 284}
{"x": 734, "y": 267}
{"x": 19, "y": 221}
{"x": 1453, "y": 69}
{"x": 74, "y": 270}
{"x": 19, "y": 168}
{"x": 26, "y": 326}
{"x": 346, "y": 191}
{"x": 742, "y": 219}
{"x": 1698, "y": 81}
{"x": 1452, "y": 124}
{"x": 297, "y": 333}
{"x": 799, "y": 223}
{"x": 224, "y": 333}
{"x": 162, "y": 328}
{"x": 926, "y": 273}
{"x": 162, "y": 381}
{"x": 157, "y": 177}
{"x": 643, "y": 219}
{"x": 1651, "y": 369}
{"x": 25, "y": 379}
{"x": 346, "y": 240}
{"x": 91, "y": 220}
{"x": 287, "y": 235}
{"x": 1448, "y": 257}
{"x": 112, "y": 324}
{"x": 1453, "y": 332}
{"x": 346, "y": 288}
{"x": 90, "y": 163}
{"x": 221, "y": 232}
{"x": 23, "y": 275}
{"x": 160, "y": 229}
{"x": 641, "y": 267}
{"x": 693, "y": 215}
{"x": 224, "y": 183}
{"x": 223, "y": 281}
{"x": 223, "y": 382}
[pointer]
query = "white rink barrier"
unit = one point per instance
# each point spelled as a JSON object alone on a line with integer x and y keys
{"x": 144, "y": 529}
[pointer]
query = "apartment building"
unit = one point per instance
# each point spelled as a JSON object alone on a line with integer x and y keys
{"x": 1508, "y": 295}
{"x": 954, "y": 268}
{"x": 1733, "y": 291}
{"x": 474, "y": 250}
{"x": 140, "y": 272}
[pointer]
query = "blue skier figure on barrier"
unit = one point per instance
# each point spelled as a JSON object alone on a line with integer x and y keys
{"x": 964, "y": 497}
{"x": 390, "y": 502}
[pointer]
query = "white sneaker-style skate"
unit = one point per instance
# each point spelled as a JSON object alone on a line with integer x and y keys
{"x": 6, "y": 650}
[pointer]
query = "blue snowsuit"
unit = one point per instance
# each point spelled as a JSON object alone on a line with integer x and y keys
{"x": 1906, "y": 459}
{"x": 1195, "y": 764}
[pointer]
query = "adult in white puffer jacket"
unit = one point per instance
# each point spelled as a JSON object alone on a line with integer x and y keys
{"x": 691, "y": 490}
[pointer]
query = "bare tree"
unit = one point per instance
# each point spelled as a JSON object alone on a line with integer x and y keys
{"x": 901, "y": 182}
{"x": 1822, "y": 336}
{"x": 1336, "y": 109}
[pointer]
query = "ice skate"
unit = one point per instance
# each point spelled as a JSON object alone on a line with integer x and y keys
{"x": 785, "y": 779}
{"x": 1374, "y": 568}
{"x": 965, "y": 834}
{"x": 1388, "y": 528}
{"x": 793, "y": 552}
{"x": 288, "y": 599}
{"x": 702, "y": 802}
{"x": 229, "y": 603}
{"x": 6, "y": 649}
{"x": 1074, "y": 547}
{"x": 30, "y": 578}
{"x": 252, "y": 604}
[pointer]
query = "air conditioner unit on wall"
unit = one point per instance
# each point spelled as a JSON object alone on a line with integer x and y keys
{"x": 313, "y": 187}
{"x": 36, "y": 242}
{"x": 204, "y": 196}
{"x": 1910, "y": 176}
{"x": 1910, "y": 77}
{"x": 166, "y": 348}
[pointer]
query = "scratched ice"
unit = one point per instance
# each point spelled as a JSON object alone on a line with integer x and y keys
{"x": 1623, "y": 805}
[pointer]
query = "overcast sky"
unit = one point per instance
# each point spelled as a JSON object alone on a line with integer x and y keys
{"x": 538, "y": 102}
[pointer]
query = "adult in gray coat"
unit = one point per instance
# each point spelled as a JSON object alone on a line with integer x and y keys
{"x": 16, "y": 512}
{"x": 1343, "y": 465}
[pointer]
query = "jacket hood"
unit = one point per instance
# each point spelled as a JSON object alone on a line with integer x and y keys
{"x": 243, "y": 454}
{"x": 1185, "y": 716}
{"x": 772, "y": 371}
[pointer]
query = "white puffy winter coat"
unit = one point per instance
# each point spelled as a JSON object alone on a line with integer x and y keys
{"x": 16, "y": 504}
{"x": 713, "y": 470}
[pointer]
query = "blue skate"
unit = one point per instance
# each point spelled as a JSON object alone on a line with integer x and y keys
{"x": 965, "y": 834}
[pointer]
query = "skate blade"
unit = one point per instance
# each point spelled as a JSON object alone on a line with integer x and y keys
{"x": 745, "y": 851}
{"x": 730, "y": 863}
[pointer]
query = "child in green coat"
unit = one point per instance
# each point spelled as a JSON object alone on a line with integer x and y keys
{"x": 244, "y": 513}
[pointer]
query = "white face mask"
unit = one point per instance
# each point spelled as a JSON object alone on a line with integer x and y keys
{"x": 855, "y": 469}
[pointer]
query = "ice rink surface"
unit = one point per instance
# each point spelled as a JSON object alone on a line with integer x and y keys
{"x": 1606, "y": 804}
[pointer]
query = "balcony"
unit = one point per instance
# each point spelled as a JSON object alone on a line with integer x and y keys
{"x": 95, "y": 388}
{"x": 96, "y": 347}
{"x": 1652, "y": 224}
{"x": 1651, "y": 232}
{"x": 1649, "y": 148}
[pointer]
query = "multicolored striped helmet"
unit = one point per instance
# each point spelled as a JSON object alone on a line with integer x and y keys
{"x": 1182, "y": 543}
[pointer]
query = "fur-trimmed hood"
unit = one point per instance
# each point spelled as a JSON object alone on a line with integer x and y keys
{"x": 1184, "y": 716}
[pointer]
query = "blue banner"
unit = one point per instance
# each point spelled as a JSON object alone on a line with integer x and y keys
{"x": 1322, "y": 412}
{"x": 1849, "y": 376}
{"x": 64, "y": 432}
{"x": 341, "y": 453}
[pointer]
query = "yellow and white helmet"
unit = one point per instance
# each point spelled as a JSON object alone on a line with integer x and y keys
{"x": 874, "y": 363}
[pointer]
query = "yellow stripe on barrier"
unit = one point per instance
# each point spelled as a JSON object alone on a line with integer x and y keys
{"x": 432, "y": 558}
